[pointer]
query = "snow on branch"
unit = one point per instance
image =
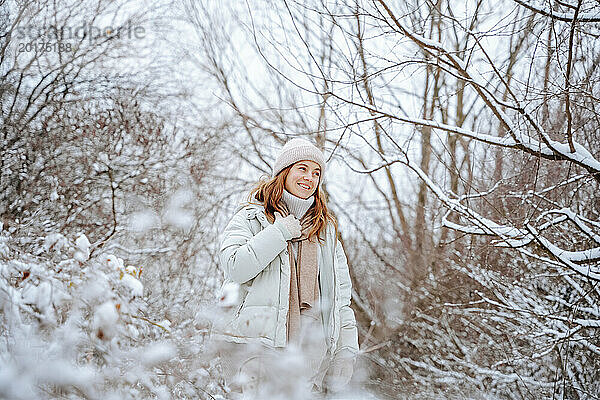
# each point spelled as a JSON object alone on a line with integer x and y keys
{"x": 547, "y": 148}
{"x": 510, "y": 236}
{"x": 565, "y": 257}
{"x": 560, "y": 16}
{"x": 566, "y": 215}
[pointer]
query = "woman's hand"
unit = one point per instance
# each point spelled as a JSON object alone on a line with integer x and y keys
{"x": 340, "y": 371}
{"x": 290, "y": 224}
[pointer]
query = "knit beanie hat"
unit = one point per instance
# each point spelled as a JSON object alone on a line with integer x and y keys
{"x": 297, "y": 150}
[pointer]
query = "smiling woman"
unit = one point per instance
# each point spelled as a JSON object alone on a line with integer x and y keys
{"x": 281, "y": 249}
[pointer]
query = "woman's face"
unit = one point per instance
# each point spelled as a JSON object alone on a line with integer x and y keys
{"x": 303, "y": 179}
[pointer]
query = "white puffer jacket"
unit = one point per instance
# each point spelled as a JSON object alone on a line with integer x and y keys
{"x": 254, "y": 255}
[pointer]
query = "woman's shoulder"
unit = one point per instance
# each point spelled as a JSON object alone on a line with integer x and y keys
{"x": 247, "y": 209}
{"x": 241, "y": 220}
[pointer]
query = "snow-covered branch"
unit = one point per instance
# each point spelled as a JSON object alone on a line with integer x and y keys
{"x": 559, "y": 16}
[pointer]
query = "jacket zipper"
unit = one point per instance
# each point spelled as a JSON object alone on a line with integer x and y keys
{"x": 239, "y": 309}
{"x": 334, "y": 302}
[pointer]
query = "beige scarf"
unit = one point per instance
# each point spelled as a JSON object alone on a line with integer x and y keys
{"x": 304, "y": 282}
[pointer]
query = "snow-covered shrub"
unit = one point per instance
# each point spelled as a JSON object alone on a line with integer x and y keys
{"x": 82, "y": 329}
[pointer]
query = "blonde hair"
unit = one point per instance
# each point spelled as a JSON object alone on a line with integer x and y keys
{"x": 268, "y": 191}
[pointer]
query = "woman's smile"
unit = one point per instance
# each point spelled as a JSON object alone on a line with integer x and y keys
{"x": 304, "y": 186}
